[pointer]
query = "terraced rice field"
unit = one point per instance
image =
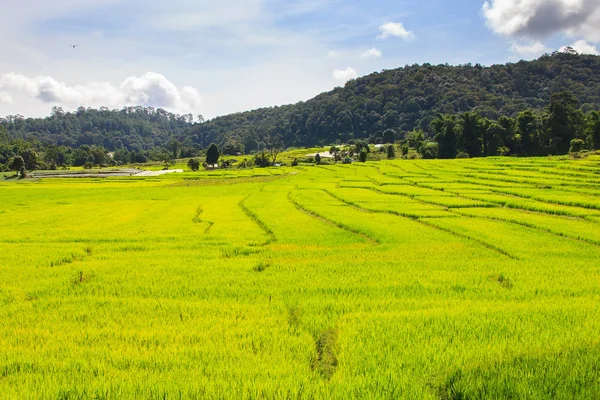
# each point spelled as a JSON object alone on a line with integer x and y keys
{"x": 403, "y": 279}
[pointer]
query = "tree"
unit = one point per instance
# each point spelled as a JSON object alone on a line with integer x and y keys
{"x": 361, "y": 145}
{"x": 273, "y": 153}
{"x": 415, "y": 139}
{"x": 23, "y": 173}
{"x": 56, "y": 155}
{"x": 174, "y": 147}
{"x": 391, "y": 152}
{"x": 362, "y": 156}
{"x": 193, "y": 164}
{"x": 593, "y": 129}
{"x": 335, "y": 152}
{"x": 493, "y": 139}
{"x": 389, "y": 136}
{"x": 212, "y": 154}
{"x": 166, "y": 159}
{"x": 78, "y": 156}
{"x": 471, "y": 138}
{"x": 275, "y": 144}
{"x": 528, "y": 129}
{"x": 445, "y": 135}
{"x": 405, "y": 149}
{"x": 31, "y": 159}
{"x": 16, "y": 164}
{"x": 99, "y": 154}
{"x": 508, "y": 137}
{"x": 3, "y": 135}
{"x": 122, "y": 156}
{"x": 564, "y": 121}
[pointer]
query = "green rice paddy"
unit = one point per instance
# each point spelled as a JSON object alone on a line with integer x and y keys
{"x": 460, "y": 279}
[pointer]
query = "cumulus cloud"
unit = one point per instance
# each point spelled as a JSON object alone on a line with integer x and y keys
{"x": 530, "y": 49}
{"x": 344, "y": 75}
{"x": 149, "y": 89}
{"x": 583, "y": 47}
{"x": 371, "y": 53}
{"x": 542, "y": 18}
{"x": 333, "y": 54}
{"x": 395, "y": 29}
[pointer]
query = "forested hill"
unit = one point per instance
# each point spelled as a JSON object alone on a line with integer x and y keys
{"x": 409, "y": 98}
{"x": 133, "y": 128}
{"x": 402, "y": 99}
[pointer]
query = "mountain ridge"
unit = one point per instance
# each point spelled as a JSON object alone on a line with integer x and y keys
{"x": 404, "y": 99}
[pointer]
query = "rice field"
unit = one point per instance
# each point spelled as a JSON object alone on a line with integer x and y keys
{"x": 459, "y": 279}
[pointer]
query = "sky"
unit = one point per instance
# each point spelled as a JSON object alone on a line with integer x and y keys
{"x": 218, "y": 57}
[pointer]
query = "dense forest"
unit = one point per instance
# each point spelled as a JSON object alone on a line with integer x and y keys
{"x": 132, "y": 128}
{"x": 408, "y": 99}
{"x": 527, "y": 108}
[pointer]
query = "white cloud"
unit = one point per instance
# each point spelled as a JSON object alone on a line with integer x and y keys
{"x": 542, "y": 18}
{"x": 333, "y": 54}
{"x": 371, "y": 53}
{"x": 344, "y": 75}
{"x": 531, "y": 49}
{"x": 583, "y": 47}
{"x": 150, "y": 89}
{"x": 14, "y": 82}
{"x": 395, "y": 29}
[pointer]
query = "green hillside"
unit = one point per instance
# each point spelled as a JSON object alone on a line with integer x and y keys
{"x": 409, "y": 98}
{"x": 467, "y": 110}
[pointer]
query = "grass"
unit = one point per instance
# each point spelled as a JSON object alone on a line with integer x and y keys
{"x": 416, "y": 279}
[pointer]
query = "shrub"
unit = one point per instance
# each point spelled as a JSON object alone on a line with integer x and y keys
{"x": 262, "y": 160}
{"x": 429, "y": 150}
{"x": 261, "y": 267}
{"x": 193, "y": 164}
{"x": 503, "y": 151}
{"x": 577, "y": 145}
{"x": 505, "y": 282}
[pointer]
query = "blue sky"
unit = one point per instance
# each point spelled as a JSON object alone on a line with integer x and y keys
{"x": 218, "y": 57}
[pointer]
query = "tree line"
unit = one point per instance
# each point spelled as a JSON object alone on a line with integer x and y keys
{"x": 526, "y": 108}
{"x": 559, "y": 128}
